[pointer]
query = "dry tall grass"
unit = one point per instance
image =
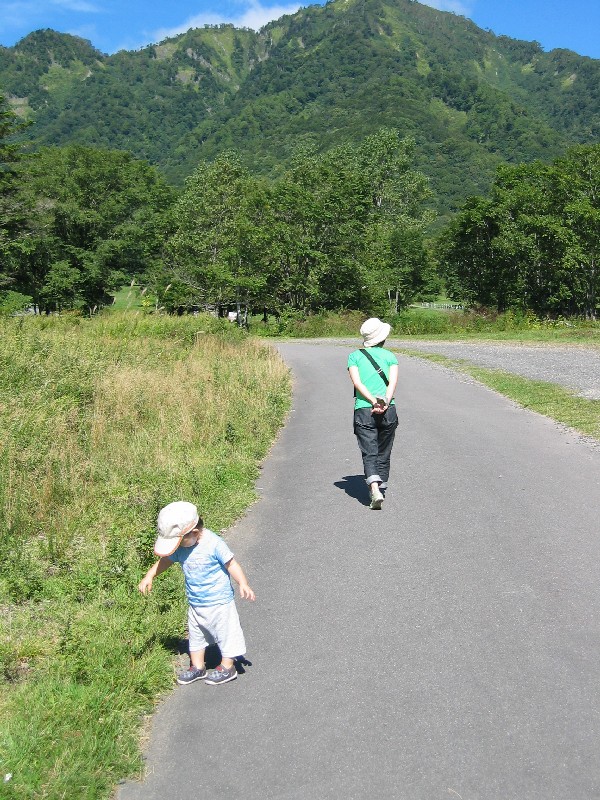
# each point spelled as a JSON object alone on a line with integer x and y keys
{"x": 101, "y": 423}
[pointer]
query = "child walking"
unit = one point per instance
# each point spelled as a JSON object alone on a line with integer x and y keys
{"x": 208, "y": 566}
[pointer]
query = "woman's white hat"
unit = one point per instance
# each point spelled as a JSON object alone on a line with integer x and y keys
{"x": 374, "y": 331}
{"x": 174, "y": 521}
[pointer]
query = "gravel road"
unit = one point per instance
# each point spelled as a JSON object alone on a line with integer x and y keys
{"x": 577, "y": 368}
{"x": 574, "y": 367}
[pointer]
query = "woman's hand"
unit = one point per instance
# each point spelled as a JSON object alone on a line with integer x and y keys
{"x": 380, "y": 406}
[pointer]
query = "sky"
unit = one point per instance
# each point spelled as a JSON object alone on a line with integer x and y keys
{"x": 113, "y": 25}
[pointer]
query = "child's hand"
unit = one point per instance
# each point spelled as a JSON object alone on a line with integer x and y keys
{"x": 246, "y": 592}
{"x": 145, "y": 585}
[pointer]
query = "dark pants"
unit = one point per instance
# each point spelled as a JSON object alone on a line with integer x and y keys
{"x": 375, "y": 436}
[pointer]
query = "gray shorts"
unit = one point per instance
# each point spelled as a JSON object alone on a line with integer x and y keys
{"x": 216, "y": 625}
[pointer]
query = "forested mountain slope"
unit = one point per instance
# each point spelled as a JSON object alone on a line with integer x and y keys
{"x": 323, "y": 75}
{"x": 143, "y": 101}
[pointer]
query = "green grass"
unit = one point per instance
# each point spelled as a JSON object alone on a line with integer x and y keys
{"x": 549, "y": 399}
{"x": 436, "y": 324}
{"x": 128, "y": 298}
{"x": 509, "y": 326}
{"x": 102, "y": 422}
{"x": 296, "y": 325}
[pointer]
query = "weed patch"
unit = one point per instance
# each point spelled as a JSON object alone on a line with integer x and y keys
{"x": 102, "y": 422}
{"x": 435, "y": 324}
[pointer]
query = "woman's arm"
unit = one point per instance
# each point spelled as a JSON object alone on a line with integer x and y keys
{"x": 359, "y": 385}
{"x": 392, "y": 381}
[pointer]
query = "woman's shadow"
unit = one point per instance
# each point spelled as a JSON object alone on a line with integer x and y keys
{"x": 355, "y": 487}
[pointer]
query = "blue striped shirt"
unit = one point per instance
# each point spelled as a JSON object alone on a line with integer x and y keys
{"x": 207, "y": 582}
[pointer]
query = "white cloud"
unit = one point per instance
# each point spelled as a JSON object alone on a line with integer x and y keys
{"x": 27, "y": 13}
{"x": 77, "y": 5}
{"x": 254, "y": 16}
{"x": 464, "y": 9}
{"x": 89, "y": 32}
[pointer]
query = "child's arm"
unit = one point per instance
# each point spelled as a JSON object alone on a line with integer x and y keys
{"x": 237, "y": 573}
{"x": 145, "y": 585}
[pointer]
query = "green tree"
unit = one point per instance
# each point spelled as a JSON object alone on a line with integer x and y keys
{"x": 578, "y": 190}
{"x": 464, "y": 250}
{"x": 410, "y": 272}
{"x": 13, "y": 210}
{"x": 219, "y": 247}
{"x": 337, "y": 213}
{"x": 398, "y": 262}
{"x": 97, "y": 220}
{"x": 534, "y": 243}
{"x": 318, "y": 238}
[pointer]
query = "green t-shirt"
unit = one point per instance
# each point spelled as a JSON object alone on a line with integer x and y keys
{"x": 371, "y": 379}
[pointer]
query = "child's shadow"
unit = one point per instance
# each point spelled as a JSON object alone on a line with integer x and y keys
{"x": 355, "y": 487}
{"x": 212, "y": 655}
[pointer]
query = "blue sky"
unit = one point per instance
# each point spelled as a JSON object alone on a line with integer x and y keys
{"x": 112, "y": 25}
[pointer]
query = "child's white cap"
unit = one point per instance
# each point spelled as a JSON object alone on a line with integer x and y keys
{"x": 174, "y": 521}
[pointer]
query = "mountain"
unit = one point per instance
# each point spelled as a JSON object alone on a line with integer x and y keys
{"x": 328, "y": 73}
{"x": 144, "y": 101}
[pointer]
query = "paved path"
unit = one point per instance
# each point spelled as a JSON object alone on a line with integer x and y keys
{"x": 445, "y": 647}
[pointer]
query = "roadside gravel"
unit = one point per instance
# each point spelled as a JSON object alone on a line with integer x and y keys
{"x": 576, "y": 367}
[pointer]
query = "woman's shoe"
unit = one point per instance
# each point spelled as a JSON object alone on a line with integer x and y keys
{"x": 376, "y": 499}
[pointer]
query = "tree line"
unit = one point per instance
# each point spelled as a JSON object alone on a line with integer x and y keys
{"x": 341, "y": 229}
{"x": 533, "y": 243}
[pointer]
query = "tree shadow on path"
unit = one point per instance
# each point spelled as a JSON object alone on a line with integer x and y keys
{"x": 355, "y": 487}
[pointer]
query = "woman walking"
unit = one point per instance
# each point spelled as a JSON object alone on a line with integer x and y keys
{"x": 374, "y": 373}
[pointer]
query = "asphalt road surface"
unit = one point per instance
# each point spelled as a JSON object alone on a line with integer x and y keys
{"x": 447, "y": 646}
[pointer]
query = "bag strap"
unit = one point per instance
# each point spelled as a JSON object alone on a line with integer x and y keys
{"x": 378, "y": 369}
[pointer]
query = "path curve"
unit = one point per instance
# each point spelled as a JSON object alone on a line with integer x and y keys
{"x": 447, "y": 646}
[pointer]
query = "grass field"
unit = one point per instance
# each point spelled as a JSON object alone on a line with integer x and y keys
{"x": 128, "y": 298}
{"x": 102, "y": 422}
{"x": 427, "y": 323}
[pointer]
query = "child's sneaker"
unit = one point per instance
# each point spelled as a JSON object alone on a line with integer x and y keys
{"x": 376, "y": 499}
{"x": 190, "y": 675}
{"x": 221, "y": 675}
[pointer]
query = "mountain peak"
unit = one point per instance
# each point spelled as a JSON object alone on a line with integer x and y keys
{"x": 321, "y": 76}
{"x": 46, "y": 40}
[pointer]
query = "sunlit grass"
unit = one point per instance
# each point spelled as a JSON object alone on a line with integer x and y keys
{"x": 128, "y": 298}
{"x": 436, "y": 324}
{"x": 102, "y": 422}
